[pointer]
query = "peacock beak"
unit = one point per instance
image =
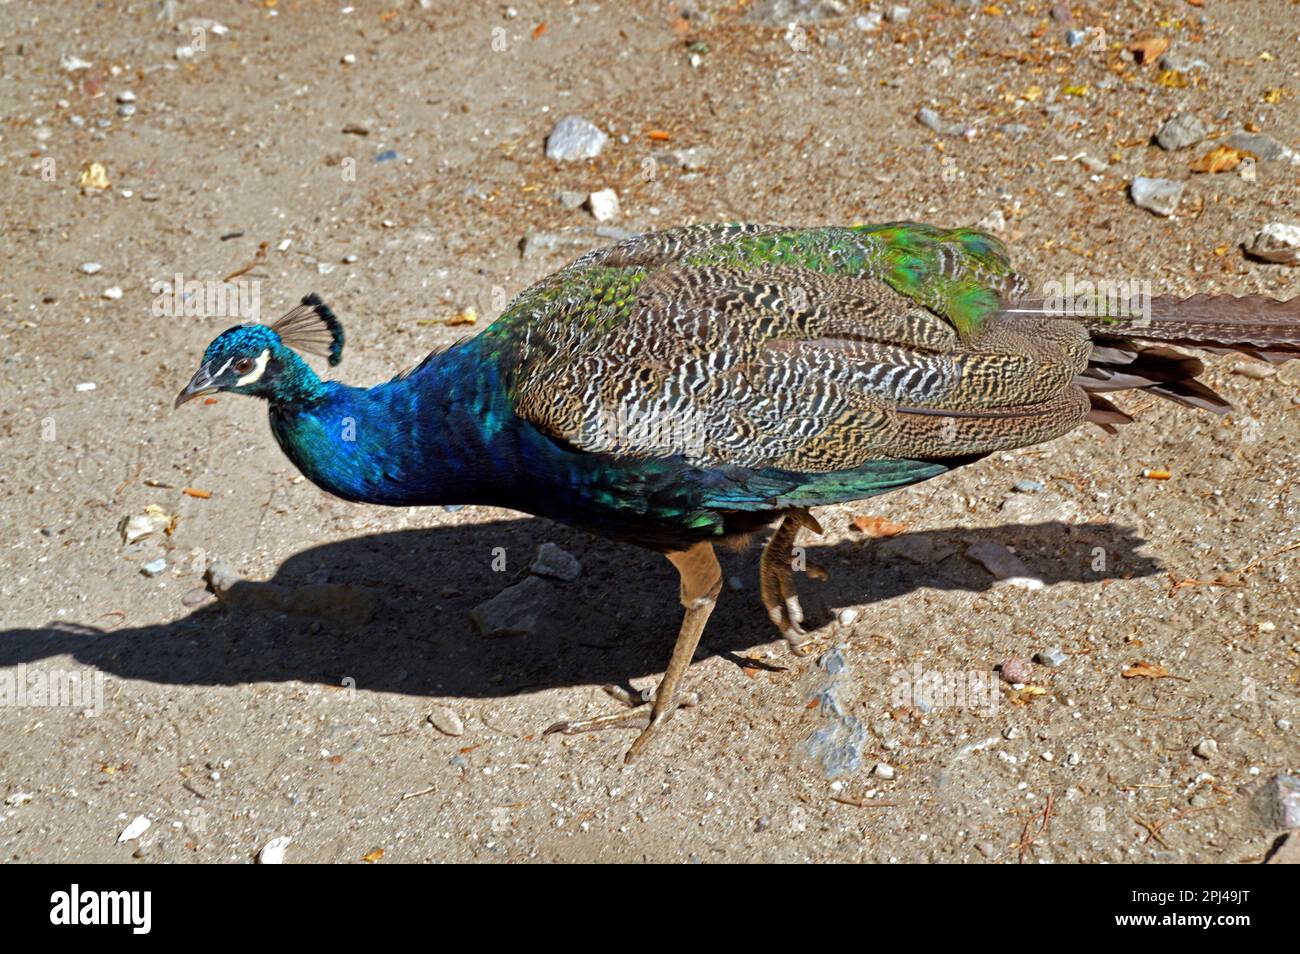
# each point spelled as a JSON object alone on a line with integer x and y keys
{"x": 199, "y": 385}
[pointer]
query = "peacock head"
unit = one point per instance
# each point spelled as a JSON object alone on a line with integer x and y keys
{"x": 261, "y": 360}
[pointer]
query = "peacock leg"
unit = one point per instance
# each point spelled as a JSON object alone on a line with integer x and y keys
{"x": 776, "y": 580}
{"x": 701, "y": 581}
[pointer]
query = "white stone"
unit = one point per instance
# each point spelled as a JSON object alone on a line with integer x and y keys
{"x": 134, "y": 830}
{"x": 1277, "y": 242}
{"x": 603, "y": 205}
{"x": 272, "y": 853}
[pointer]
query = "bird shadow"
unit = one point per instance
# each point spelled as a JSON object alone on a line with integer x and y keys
{"x": 616, "y": 621}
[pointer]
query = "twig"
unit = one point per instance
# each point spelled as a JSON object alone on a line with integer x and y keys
{"x": 257, "y": 260}
{"x": 1153, "y": 828}
{"x": 1027, "y": 840}
{"x": 859, "y": 803}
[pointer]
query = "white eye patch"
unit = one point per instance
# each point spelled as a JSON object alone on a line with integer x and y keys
{"x": 256, "y": 373}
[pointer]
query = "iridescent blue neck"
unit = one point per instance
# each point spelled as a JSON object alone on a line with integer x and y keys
{"x": 434, "y": 436}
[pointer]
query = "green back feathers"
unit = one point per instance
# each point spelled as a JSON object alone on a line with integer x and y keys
{"x": 961, "y": 274}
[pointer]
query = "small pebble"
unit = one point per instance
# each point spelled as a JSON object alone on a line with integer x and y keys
{"x": 197, "y": 597}
{"x": 603, "y": 205}
{"x": 272, "y": 853}
{"x": 575, "y": 138}
{"x": 1180, "y": 131}
{"x": 1257, "y": 371}
{"x": 134, "y": 830}
{"x": 1277, "y": 242}
{"x": 1206, "y": 749}
{"x": 1160, "y": 196}
{"x": 1051, "y": 657}
{"x": 1029, "y": 486}
{"x": 86, "y": 386}
{"x": 571, "y": 199}
{"x": 1262, "y": 147}
{"x": 555, "y": 562}
{"x": 1015, "y": 670}
{"x": 446, "y": 721}
{"x": 883, "y": 770}
{"x": 154, "y": 567}
{"x": 847, "y": 616}
{"x": 113, "y": 294}
{"x": 90, "y": 268}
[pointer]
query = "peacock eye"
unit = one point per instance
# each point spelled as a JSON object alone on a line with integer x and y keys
{"x": 243, "y": 365}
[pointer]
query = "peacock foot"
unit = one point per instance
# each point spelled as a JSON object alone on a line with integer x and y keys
{"x": 701, "y": 579}
{"x": 776, "y": 582}
{"x": 639, "y": 715}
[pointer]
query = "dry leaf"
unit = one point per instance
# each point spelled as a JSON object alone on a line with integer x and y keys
{"x": 195, "y": 492}
{"x": 1148, "y": 49}
{"x": 1145, "y": 670}
{"x": 1173, "y": 79}
{"x": 1025, "y": 695}
{"x": 94, "y": 176}
{"x": 659, "y": 135}
{"x": 465, "y": 317}
{"x": 1221, "y": 159}
{"x": 371, "y": 857}
{"x": 539, "y": 29}
{"x": 878, "y": 526}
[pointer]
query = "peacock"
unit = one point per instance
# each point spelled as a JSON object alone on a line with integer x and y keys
{"x": 691, "y": 387}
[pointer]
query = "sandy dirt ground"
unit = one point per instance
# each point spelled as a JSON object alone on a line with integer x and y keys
{"x": 263, "y": 145}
